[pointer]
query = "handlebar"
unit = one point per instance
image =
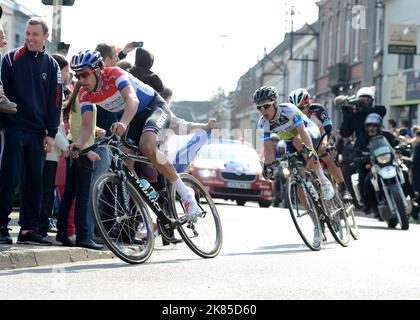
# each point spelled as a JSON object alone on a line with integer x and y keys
{"x": 112, "y": 140}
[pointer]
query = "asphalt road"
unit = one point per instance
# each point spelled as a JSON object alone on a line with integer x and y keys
{"x": 262, "y": 258}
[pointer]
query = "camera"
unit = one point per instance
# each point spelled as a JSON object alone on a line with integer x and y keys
{"x": 347, "y": 103}
{"x": 137, "y": 44}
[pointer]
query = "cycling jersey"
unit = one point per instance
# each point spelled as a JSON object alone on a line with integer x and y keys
{"x": 320, "y": 117}
{"x": 289, "y": 118}
{"x": 113, "y": 81}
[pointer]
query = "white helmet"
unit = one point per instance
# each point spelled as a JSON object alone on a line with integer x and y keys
{"x": 281, "y": 144}
{"x": 299, "y": 97}
{"x": 366, "y": 91}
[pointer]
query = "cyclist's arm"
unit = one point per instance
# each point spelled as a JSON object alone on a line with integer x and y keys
{"x": 306, "y": 139}
{"x": 269, "y": 155}
{"x": 132, "y": 104}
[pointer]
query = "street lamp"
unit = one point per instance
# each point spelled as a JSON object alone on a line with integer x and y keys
{"x": 56, "y": 29}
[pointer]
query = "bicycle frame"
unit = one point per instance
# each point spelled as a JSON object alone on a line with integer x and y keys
{"x": 119, "y": 167}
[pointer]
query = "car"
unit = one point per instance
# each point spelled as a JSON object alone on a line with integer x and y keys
{"x": 232, "y": 170}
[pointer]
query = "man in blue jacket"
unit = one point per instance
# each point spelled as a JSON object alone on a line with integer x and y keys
{"x": 32, "y": 79}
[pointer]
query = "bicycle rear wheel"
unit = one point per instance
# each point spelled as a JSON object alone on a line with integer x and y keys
{"x": 128, "y": 234}
{"x": 303, "y": 211}
{"x": 204, "y": 237}
{"x": 337, "y": 219}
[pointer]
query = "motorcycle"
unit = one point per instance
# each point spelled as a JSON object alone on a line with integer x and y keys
{"x": 281, "y": 173}
{"x": 387, "y": 179}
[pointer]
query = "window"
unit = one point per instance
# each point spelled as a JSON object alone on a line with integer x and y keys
{"x": 347, "y": 37}
{"x": 405, "y": 61}
{"x": 356, "y": 38}
{"x": 338, "y": 39}
{"x": 17, "y": 41}
{"x": 330, "y": 41}
{"x": 322, "y": 46}
{"x": 305, "y": 65}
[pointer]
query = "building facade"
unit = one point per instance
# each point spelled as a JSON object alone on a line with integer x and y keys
{"x": 14, "y": 19}
{"x": 401, "y": 64}
{"x": 289, "y": 66}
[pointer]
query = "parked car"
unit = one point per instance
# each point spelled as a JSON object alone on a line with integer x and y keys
{"x": 232, "y": 170}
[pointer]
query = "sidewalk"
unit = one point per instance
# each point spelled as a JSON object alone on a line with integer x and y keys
{"x": 16, "y": 256}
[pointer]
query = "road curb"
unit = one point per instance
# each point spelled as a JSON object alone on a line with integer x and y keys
{"x": 30, "y": 258}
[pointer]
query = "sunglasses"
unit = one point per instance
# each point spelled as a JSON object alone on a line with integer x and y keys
{"x": 265, "y": 106}
{"x": 83, "y": 75}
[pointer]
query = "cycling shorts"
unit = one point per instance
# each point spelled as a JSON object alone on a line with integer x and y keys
{"x": 313, "y": 132}
{"x": 155, "y": 118}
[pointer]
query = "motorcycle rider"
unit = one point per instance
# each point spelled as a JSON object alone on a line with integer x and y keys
{"x": 373, "y": 128}
{"x": 317, "y": 114}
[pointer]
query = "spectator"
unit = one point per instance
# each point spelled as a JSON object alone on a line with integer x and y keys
{"x": 104, "y": 120}
{"x": 6, "y": 106}
{"x": 78, "y": 179}
{"x": 167, "y": 95}
{"x": 141, "y": 70}
{"x": 124, "y": 64}
{"x": 50, "y": 167}
{"x": 416, "y": 174}
{"x": 392, "y": 126}
{"x": 407, "y": 126}
{"x": 126, "y": 50}
{"x": 32, "y": 78}
{"x": 414, "y": 140}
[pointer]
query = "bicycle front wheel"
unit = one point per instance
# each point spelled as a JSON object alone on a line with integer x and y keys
{"x": 127, "y": 233}
{"x": 303, "y": 211}
{"x": 204, "y": 236}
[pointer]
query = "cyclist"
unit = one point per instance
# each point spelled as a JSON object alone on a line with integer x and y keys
{"x": 291, "y": 125}
{"x": 317, "y": 113}
{"x": 143, "y": 109}
{"x": 295, "y": 128}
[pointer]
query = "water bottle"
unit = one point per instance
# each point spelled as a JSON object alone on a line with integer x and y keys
{"x": 149, "y": 190}
{"x": 312, "y": 190}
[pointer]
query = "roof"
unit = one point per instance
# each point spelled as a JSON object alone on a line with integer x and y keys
{"x": 191, "y": 110}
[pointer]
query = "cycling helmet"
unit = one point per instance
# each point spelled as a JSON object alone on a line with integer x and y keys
{"x": 87, "y": 60}
{"x": 265, "y": 93}
{"x": 281, "y": 144}
{"x": 274, "y": 137}
{"x": 366, "y": 92}
{"x": 299, "y": 97}
{"x": 373, "y": 118}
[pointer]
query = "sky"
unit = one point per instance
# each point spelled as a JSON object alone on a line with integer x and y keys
{"x": 198, "y": 45}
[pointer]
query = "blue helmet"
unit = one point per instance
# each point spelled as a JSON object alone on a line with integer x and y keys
{"x": 87, "y": 60}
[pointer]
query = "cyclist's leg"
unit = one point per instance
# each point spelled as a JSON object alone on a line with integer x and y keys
{"x": 333, "y": 169}
{"x": 326, "y": 185}
{"x": 291, "y": 149}
{"x": 148, "y": 132}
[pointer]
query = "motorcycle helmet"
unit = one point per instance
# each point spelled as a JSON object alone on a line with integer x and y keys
{"x": 366, "y": 92}
{"x": 274, "y": 137}
{"x": 375, "y": 119}
{"x": 281, "y": 144}
{"x": 299, "y": 97}
{"x": 366, "y": 97}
